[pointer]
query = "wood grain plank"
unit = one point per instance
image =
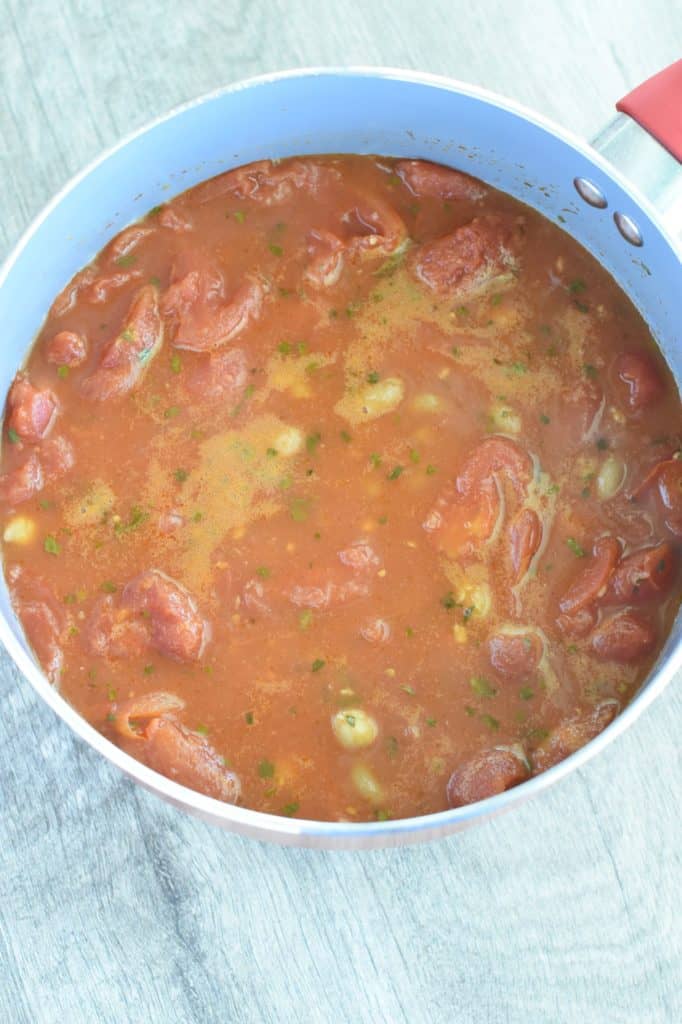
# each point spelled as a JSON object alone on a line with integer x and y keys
{"x": 116, "y": 908}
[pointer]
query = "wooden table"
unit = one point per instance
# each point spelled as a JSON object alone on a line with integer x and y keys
{"x": 116, "y": 908}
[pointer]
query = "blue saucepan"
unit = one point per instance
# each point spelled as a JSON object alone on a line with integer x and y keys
{"x": 363, "y": 110}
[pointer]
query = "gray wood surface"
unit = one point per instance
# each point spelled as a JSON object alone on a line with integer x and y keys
{"x": 115, "y": 908}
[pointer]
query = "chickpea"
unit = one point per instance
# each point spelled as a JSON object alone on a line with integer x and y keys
{"x": 354, "y": 728}
{"x": 366, "y": 783}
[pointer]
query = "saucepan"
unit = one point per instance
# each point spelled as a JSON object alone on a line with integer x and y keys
{"x": 597, "y": 193}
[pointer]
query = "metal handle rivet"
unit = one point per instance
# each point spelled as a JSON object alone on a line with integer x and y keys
{"x": 628, "y": 229}
{"x": 590, "y": 192}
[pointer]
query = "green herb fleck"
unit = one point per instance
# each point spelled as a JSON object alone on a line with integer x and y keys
{"x": 248, "y": 717}
{"x": 414, "y": 456}
{"x": 263, "y": 572}
{"x": 491, "y": 722}
{"x": 171, "y": 412}
{"x": 12, "y": 435}
{"x": 300, "y": 509}
{"x": 148, "y": 670}
{"x": 108, "y": 587}
{"x": 375, "y": 459}
{"x": 430, "y": 470}
{"x": 481, "y": 686}
{"x": 312, "y": 441}
{"x": 318, "y": 664}
{"x": 51, "y": 546}
{"x": 63, "y": 372}
{"x": 577, "y": 550}
{"x": 266, "y": 769}
{"x": 345, "y": 436}
{"x": 175, "y": 363}
{"x": 382, "y": 815}
{"x": 589, "y": 370}
{"x": 602, "y": 444}
{"x": 577, "y": 286}
{"x": 239, "y": 216}
{"x": 391, "y": 747}
{"x": 271, "y": 453}
{"x": 305, "y": 618}
{"x": 525, "y": 693}
{"x": 431, "y": 722}
{"x": 448, "y": 601}
{"x": 276, "y": 250}
{"x": 395, "y": 473}
{"x": 181, "y": 475}
{"x": 127, "y": 260}
{"x": 373, "y": 377}
{"x": 290, "y": 809}
{"x": 544, "y": 419}
{"x": 409, "y": 690}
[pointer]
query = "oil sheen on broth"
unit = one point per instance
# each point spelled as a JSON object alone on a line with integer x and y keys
{"x": 346, "y": 488}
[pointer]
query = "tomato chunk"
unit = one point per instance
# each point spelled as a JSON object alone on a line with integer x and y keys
{"x": 515, "y": 657}
{"x": 201, "y": 318}
{"x": 485, "y": 775}
{"x": 644, "y": 576}
{"x": 471, "y": 258}
{"x": 104, "y": 285}
{"x": 188, "y": 758}
{"x": 43, "y": 617}
{"x": 624, "y": 638}
{"x": 113, "y": 632}
{"x": 525, "y": 536}
{"x": 573, "y": 734}
{"x": 54, "y": 458}
{"x": 424, "y": 178}
{"x": 496, "y": 455}
{"x": 639, "y": 380}
{"x": 267, "y": 182}
{"x": 31, "y": 411}
{"x": 141, "y": 709}
{"x": 66, "y": 348}
{"x": 125, "y": 359}
{"x": 325, "y": 258}
{"x": 178, "y": 630}
{"x": 590, "y": 584}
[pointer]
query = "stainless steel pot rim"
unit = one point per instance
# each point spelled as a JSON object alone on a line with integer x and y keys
{"x": 257, "y": 823}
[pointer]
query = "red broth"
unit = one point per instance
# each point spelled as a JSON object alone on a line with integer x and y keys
{"x": 344, "y": 487}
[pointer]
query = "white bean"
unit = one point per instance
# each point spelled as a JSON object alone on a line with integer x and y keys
{"x": 354, "y": 728}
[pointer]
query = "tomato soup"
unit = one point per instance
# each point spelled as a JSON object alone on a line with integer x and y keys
{"x": 344, "y": 487}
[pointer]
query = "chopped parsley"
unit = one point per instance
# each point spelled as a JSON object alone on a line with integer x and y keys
{"x": 305, "y": 618}
{"x": 12, "y": 435}
{"x": 345, "y": 436}
{"x": 589, "y": 370}
{"x": 431, "y": 722}
{"x": 239, "y": 216}
{"x": 481, "y": 686}
{"x": 175, "y": 363}
{"x": 181, "y": 475}
{"x": 375, "y": 459}
{"x": 148, "y": 670}
{"x": 51, "y": 545}
{"x": 577, "y": 286}
{"x": 300, "y": 509}
{"x": 373, "y": 377}
{"x": 290, "y": 809}
{"x": 409, "y": 690}
{"x": 312, "y": 441}
{"x": 491, "y": 722}
{"x": 395, "y": 473}
{"x": 63, "y": 372}
{"x": 108, "y": 587}
{"x": 448, "y": 601}
{"x": 525, "y": 693}
{"x": 266, "y": 769}
{"x": 602, "y": 444}
{"x": 414, "y": 456}
{"x": 171, "y": 412}
{"x": 263, "y": 572}
{"x": 577, "y": 550}
{"x": 318, "y": 664}
{"x": 544, "y": 419}
{"x": 276, "y": 250}
{"x": 127, "y": 260}
{"x": 248, "y": 717}
{"x": 430, "y": 470}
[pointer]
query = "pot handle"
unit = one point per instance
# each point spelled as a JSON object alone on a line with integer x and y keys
{"x": 644, "y": 141}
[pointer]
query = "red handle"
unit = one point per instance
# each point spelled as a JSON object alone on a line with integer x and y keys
{"x": 656, "y": 105}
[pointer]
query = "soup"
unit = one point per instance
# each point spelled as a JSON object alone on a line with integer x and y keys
{"x": 344, "y": 487}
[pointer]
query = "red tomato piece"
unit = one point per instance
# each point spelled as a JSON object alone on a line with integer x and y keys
{"x": 578, "y": 624}
{"x": 376, "y": 228}
{"x": 67, "y": 297}
{"x": 53, "y": 460}
{"x": 66, "y": 348}
{"x": 515, "y": 657}
{"x": 471, "y": 258}
{"x": 113, "y": 632}
{"x": 267, "y": 182}
{"x": 125, "y": 358}
{"x": 639, "y": 380}
{"x": 174, "y": 219}
{"x": 325, "y": 258}
{"x": 573, "y": 734}
{"x": 424, "y": 178}
{"x": 31, "y": 411}
{"x": 644, "y": 576}
{"x": 178, "y": 630}
{"x": 492, "y": 456}
{"x": 43, "y": 618}
{"x": 126, "y": 241}
{"x": 188, "y": 758}
{"x": 593, "y": 580}
{"x": 624, "y": 638}
{"x": 484, "y": 775}
{"x": 525, "y": 537}
{"x": 141, "y": 709}
{"x": 102, "y": 288}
